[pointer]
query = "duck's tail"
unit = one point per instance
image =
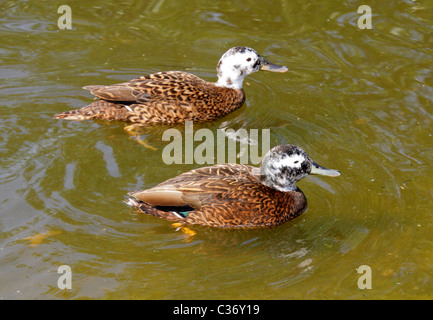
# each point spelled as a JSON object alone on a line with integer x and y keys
{"x": 100, "y": 109}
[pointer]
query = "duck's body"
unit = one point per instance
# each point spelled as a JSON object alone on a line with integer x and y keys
{"x": 229, "y": 195}
{"x": 164, "y": 97}
{"x": 175, "y": 96}
{"x": 234, "y": 195}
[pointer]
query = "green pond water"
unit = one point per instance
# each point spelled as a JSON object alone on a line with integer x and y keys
{"x": 357, "y": 100}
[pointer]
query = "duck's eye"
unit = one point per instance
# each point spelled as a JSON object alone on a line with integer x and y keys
{"x": 296, "y": 161}
{"x": 248, "y": 59}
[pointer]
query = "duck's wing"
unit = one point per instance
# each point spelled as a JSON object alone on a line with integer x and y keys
{"x": 200, "y": 186}
{"x": 170, "y": 85}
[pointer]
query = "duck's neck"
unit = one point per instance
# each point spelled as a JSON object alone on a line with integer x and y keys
{"x": 230, "y": 75}
{"x": 230, "y": 82}
{"x": 278, "y": 186}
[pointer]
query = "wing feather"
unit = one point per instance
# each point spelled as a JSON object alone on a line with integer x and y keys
{"x": 199, "y": 186}
{"x": 171, "y": 85}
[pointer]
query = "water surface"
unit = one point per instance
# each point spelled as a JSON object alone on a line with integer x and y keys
{"x": 359, "y": 101}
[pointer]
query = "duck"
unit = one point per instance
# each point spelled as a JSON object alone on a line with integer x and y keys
{"x": 234, "y": 195}
{"x": 175, "y": 96}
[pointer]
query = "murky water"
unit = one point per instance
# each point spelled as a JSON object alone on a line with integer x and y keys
{"x": 359, "y": 101}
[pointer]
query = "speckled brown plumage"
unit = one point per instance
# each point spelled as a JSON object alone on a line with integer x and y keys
{"x": 163, "y": 97}
{"x": 229, "y": 195}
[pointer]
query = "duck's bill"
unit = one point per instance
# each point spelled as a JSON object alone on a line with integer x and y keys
{"x": 269, "y": 66}
{"x": 317, "y": 169}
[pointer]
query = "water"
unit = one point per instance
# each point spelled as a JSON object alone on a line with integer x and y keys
{"x": 359, "y": 101}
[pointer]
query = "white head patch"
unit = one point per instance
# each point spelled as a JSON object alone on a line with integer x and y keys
{"x": 283, "y": 166}
{"x": 292, "y": 161}
{"x": 235, "y": 65}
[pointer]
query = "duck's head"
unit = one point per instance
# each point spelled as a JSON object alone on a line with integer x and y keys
{"x": 238, "y": 62}
{"x": 284, "y": 165}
